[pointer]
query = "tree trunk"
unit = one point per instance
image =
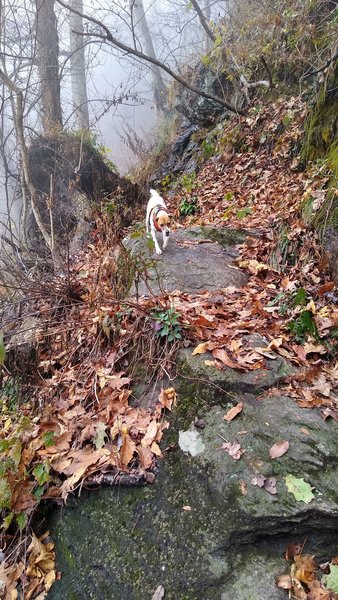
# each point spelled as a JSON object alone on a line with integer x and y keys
{"x": 139, "y": 21}
{"x": 78, "y": 66}
{"x": 48, "y": 66}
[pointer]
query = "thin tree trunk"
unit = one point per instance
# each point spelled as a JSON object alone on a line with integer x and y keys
{"x": 19, "y": 128}
{"x": 48, "y": 66}
{"x": 203, "y": 20}
{"x": 140, "y": 21}
{"x": 78, "y": 66}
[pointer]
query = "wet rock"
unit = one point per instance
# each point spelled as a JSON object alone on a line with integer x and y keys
{"x": 194, "y": 531}
{"x": 204, "y": 111}
{"x": 183, "y": 140}
{"x": 187, "y": 264}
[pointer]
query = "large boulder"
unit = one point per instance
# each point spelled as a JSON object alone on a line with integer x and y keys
{"x": 204, "y": 530}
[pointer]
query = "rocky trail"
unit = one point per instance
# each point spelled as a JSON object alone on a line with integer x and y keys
{"x": 201, "y": 387}
{"x": 219, "y": 517}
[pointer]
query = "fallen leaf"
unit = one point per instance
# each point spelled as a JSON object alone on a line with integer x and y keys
{"x": 304, "y": 568}
{"x": 167, "y": 398}
{"x": 327, "y": 287}
{"x": 201, "y": 348}
{"x": 159, "y": 593}
{"x": 187, "y": 508}
{"x": 258, "y": 480}
{"x": 156, "y": 449}
{"x": 127, "y": 450}
{"x": 317, "y": 592}
{"x": 233, "y": 412}
{"x": 145, "y": 456}
{"x": 150, "y": 434}
{"x": 244, "y": 490}
{"x": 221, "y": 355}
{"x": 292, "y": 551}
{"x": 270, "y": 485}
{"x": 100, "y": 435}
{"x": 331, "y": 580}
{"x": 299, "y": 488}
{"x": 233, "y": 449}
{"x": 284, "y": 582}
{"x": 279, "y": 449}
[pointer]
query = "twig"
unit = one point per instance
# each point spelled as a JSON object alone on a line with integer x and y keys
{"x": 327, "y": 64}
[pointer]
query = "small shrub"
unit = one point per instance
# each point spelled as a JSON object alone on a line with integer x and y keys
{"x": 188, "y": 181}
{"x": 188, "y": 207}
{"x": 167, "y": 324}
{"x": 304, "y": 326}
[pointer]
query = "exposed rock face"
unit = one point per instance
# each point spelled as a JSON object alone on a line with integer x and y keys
{"x": 203, "y": 530}
{"x": 193, "y": 261}
{"x": 202, "y": 110}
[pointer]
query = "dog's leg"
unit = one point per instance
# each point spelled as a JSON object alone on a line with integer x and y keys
{"x": 153, "y": 235}
{"x": 165, "y": 240}
{"x": 147, "y": 219}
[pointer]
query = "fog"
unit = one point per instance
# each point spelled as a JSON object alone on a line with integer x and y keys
{"x": 119, "y": 87}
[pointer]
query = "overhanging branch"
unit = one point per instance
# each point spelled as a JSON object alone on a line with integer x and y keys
{"x": 108, "y": 37}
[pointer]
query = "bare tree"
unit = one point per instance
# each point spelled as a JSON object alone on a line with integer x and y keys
{"x": 139, "y": 21}
{"x": 78, "y": 66}
{"x": 48, "y": 67}
{"x": 103, "y": 33}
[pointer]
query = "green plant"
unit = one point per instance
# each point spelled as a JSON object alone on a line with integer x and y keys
{"x": 167, "y": 324}
{"x": 303, "y": 326}
{"x": 188, "y": 181}
{"x": 9, "y": 395}
{"x": 188, "y": 206}
{"x": 208, "y": 148}
{"x": 166, "y": 181}
{"x": 244, "y": 212}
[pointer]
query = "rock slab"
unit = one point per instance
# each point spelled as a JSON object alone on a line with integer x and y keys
{"x": 196, "y": 259}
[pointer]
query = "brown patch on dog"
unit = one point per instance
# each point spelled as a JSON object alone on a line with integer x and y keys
{"x": 163, "y": 219}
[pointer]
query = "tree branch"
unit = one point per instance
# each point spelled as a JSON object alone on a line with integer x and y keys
{"x": 327, "y": 64}
{"x": 108, "y": 37}
{"x": 263, "y": 61}
{"x": 203, "y": 21}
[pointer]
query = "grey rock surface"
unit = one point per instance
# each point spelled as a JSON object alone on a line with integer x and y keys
{"x": 196, "y": 259}
{"x": 195, "y": 531}
{"x": 204, "y": 530}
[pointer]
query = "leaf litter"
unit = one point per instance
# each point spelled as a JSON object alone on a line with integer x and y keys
{"x": 307, "y": 579}
{"x": 86, "y": 430}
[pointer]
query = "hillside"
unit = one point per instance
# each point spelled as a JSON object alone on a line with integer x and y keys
{"x": 168, "y": 422}
{"x": 83, "y": 423}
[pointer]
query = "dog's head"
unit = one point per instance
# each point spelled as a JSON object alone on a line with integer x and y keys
{"x": 163, "y": 222}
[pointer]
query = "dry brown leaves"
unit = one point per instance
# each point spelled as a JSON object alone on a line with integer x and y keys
{"x": 305, "y": 582}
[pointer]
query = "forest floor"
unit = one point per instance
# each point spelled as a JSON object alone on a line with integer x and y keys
{"x": 79, "y": 425}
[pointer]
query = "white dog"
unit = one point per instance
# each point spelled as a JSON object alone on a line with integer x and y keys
{"x": 157, "y": 219}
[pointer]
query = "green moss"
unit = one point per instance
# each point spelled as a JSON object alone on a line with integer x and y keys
{"x": 126, "y": 542}
{"x": 327, "y": 217}
{"x": 225, "y": 237}
{"x": 307, "y": 209}
{"x": 332, "y": 158}
{"x": 321, "y": 126}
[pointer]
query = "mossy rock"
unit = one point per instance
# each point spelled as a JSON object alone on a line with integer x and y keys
{"x": 322, "y": 124}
